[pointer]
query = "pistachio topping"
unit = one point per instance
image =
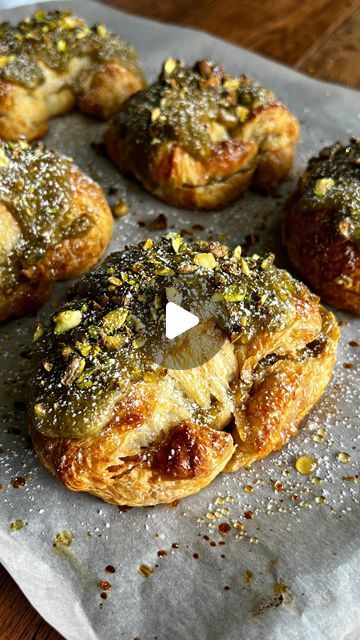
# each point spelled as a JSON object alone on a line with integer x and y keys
{"x": 322, "y": 186}
{"x": 66, "y": 320}
{"x": 35, "y": 187}
{"x": 53, "y": 38}
{"x": 195, "y": 107}
{"x": 205, "y": 260}
{"x": 332, "y": 181}
{"x": 107, "y": 338}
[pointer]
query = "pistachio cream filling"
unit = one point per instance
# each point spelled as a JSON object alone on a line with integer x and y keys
{"x": 111, "y": 334}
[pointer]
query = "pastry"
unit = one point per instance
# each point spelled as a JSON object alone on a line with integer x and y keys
{"x": 321, "y": 228}
{"x": 55, "y": 224}
{"x": 109, "y": 416}
{"x": 54, "y": 61}
{"x": 198, "y": 138}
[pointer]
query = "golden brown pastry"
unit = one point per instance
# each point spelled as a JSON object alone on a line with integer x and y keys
{"x": 198, "y": 138}
{"x": 119, "y": 411}
{"x": 54, "y": 61}
{"x": 55, "y": 224}
{"x": 321, "y": 229}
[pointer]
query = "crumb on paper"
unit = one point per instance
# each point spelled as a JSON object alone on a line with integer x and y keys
{"x": 120, "y": 209}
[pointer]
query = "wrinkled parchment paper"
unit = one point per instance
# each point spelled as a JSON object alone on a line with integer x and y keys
{"x": 289, "y": 568}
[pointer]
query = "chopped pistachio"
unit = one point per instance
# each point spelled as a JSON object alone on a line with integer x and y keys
{"x": 66, "y": 320}
{"x": 169, "y": 65}
{"x": 165, "y": 271}
{"x": 4, "y": 161}
{"x": 147, "y": 244}
{"x": 61, "y": 46}
{"x": 113, "y": 342}
{"x": 176, "y": 243}
{"x": 187, "y": 268}
{"x": 114, "y": 320}
{"x": 267, "y": 261}
{"x": 242, "y": 113}
{"x": 101, "y": 30}
{"x": 218, "y": 250}
{"x": 234, "y": 293}
{"x": 83, "y": 348}
{"x": 139, "y": 342}
{"x": 67, "y": 351}
{"x": 205, "y": 260}
{"x": 322, "y": 186}
{"x": 68, "y": 22}
{"x": 231, "y": 84}
{"x": 39, "y": 330}
{"x": 74, "y": 370}
{"x": 4, "y": 60}
{"x": 155, "y": 114}
{"x": 39, "y": 410}
{"x": 217, "y": 296}
{"x": 157, "y": 301}
{"x": 237, "y": 252}
{"x": 245, "y": 267}
{"x": 115, "y": 281}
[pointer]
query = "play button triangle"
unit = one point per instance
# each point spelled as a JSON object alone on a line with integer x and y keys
{"x": 178, "y": 320}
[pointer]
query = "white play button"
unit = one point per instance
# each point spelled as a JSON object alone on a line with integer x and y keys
{"x": 178, "y": 320}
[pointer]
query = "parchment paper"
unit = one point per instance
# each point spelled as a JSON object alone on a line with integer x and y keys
{"x": 292, "y": 572}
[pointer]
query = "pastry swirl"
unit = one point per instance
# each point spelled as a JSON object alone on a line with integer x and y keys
{"x": 53, "y": 61}
{"x": 108, "y": 416}
{"x": 55, "y": 224}
{"x": 321, "y": 228}
{"x": 198, "y": 138}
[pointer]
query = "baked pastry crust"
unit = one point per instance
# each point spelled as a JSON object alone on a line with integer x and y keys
{"x": 321, "y": 229}
{"x": 105, "y": 419}
{"x": 55, "y": 224}
{"x": 54, "y": 61}
{"x": 198, "y": 138}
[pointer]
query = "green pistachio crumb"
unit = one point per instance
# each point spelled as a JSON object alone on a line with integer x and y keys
{"x": 205, "y": 260}
{"x": 322, "y": 186}
{"x": 39, "y": 330}
{"x": 234, "y": 293}
{"x": 66, "y": 320}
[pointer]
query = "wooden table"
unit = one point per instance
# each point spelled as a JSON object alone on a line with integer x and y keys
{"x": 318, "y": 37}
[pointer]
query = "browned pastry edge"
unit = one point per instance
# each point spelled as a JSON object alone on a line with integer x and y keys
{"x": 233, "y": 166}
{"x": 25, "y": 112}
{"x": 326, "y": 260}
{"x": 189, "y": 456}
{"x": 68, "y": 259}
{"x": 284, "y": 398}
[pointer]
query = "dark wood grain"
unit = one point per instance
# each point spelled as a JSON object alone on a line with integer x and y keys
{"x": 320, "y": 37}
{"x": 337, "y": 57}
{"x": 281, "y": 29}
{"x": 18, "y": 619}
